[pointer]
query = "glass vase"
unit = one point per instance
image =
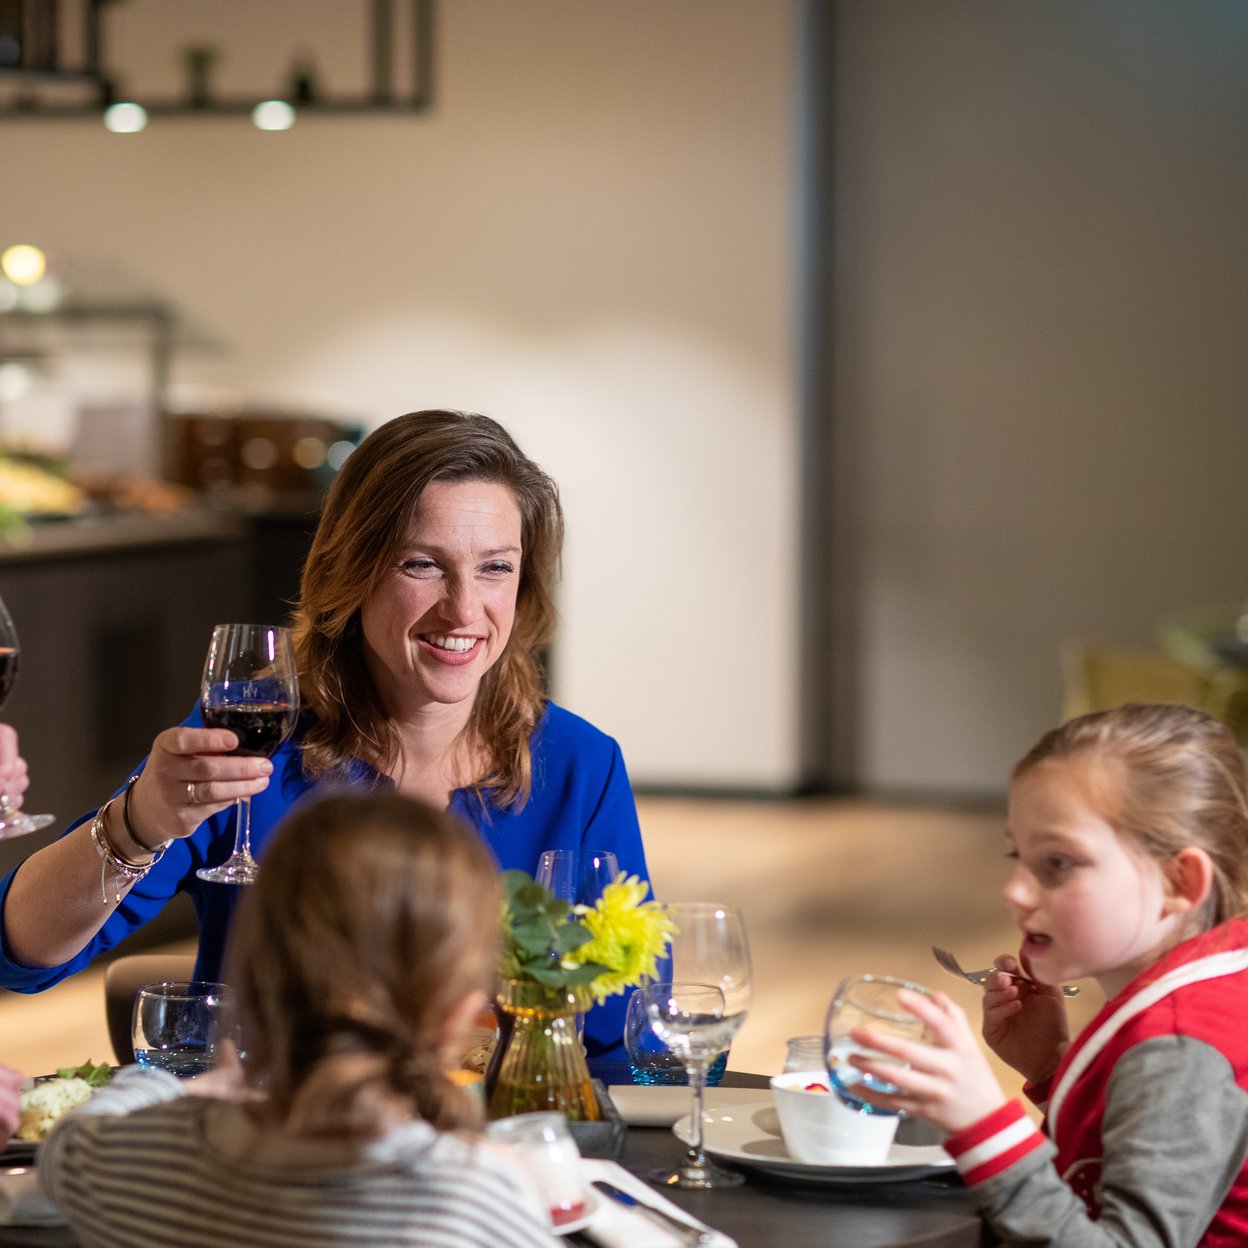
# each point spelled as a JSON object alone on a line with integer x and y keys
{"x": 540, "y": 1064}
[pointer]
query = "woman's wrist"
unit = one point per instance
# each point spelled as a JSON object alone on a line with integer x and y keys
{"x": 136, "y": 837}
{"x": 121, "y": 832}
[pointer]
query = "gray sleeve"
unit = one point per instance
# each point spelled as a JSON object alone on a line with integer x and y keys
{"x": 132, "y": 1088}
{"x": 1175, "y": 1136}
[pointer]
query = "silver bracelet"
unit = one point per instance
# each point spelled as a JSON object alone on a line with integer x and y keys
{"x": 111, "y": 860}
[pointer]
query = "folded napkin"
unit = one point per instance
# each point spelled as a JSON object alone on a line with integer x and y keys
{"x": 658, "y": 1106}
{"x": 614, "y": 1225}
{"x": 22, "y": 1203}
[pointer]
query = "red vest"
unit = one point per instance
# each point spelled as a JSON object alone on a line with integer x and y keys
{"x": 1199, "y": 989}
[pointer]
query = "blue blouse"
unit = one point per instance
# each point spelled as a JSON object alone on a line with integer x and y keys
{"x": 580, "y": 799}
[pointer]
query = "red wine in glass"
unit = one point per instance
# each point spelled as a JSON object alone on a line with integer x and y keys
{"x": 13, "y": 822}
{"x": 259, "y": 726}
{"x": 251, "y": 687}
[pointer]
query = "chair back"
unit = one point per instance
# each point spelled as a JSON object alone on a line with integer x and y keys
{"x": 1099, "y": 678}
{"x": 122, "y": 980}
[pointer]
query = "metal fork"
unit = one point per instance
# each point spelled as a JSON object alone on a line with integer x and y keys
{"x": 949, "y": 963}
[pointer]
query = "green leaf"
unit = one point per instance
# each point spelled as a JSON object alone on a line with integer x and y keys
{"x": 96, "y": 1076}
{"x": 573, "y": 936}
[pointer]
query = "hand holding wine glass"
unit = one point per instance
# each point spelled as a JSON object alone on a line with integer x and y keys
{"x": 251, "y": 687}
{"x": 13, "y": 822}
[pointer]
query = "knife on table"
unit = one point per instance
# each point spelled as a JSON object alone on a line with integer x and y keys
{"x": 693, "y": 1234}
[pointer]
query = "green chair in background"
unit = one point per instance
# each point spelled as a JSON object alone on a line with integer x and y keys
{"x": 1097, "y": 678}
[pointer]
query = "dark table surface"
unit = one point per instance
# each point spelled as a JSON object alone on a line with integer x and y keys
{"x": 767, "y": 1211}
{"x": 763, "y": 1212}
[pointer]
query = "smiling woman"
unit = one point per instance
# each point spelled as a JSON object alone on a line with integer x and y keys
{"x": 425, "y": 606}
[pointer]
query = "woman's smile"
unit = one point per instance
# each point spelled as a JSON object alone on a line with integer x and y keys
{"x": 443, "y": 616}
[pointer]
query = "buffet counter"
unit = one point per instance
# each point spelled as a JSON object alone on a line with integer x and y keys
{"x": 114, "y": 615}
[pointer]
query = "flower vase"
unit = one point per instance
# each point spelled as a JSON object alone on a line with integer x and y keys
{"x": 540, "y": 1062}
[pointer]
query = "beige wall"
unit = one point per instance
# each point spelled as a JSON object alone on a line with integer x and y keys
{"x": 1041, "y": 356}
{"x": 589, "y": 237}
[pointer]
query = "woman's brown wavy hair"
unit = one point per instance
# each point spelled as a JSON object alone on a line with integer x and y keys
{"x": 358, "y": 542}
{"x": 373, "y": 918}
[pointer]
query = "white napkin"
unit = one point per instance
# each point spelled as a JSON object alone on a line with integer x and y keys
{"x": 22, "y": 1203}
{"x": 658, "y": 1106}
{"x": 617, "y": 1226}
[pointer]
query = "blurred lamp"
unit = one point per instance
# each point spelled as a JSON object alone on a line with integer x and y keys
{"x": 125, "y": 118}
{"x": 23, "y": 265}
{"x": 273, "y": 115}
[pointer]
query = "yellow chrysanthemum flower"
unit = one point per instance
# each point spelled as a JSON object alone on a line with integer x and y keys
{"x": 628, "y": 934}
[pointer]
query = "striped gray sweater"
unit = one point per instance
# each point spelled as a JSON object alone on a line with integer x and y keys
{"x": 143, "y": 1164}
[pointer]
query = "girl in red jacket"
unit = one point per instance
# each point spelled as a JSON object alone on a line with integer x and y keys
{"x": 1129, "y": 831}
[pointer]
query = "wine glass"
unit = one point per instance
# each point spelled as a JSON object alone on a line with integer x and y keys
{"x": 709, "y": 947}
{"x": 867, "y": 1001}
{"x": 690, "y": 1020}
{"x": 13, "y": 822}
{"x": 577, "y": 876}
{"x": 251, "y": 687}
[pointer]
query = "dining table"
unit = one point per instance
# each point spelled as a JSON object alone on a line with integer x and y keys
{"x": 932, "y": 1211}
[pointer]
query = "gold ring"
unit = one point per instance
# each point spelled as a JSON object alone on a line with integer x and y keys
{"x": 190, "y": 792}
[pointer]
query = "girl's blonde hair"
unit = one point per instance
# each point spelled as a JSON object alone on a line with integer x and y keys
{"x": 358, "y": 541}
{"x": 1181, "y": 782}
{"x": 373, "y": 918}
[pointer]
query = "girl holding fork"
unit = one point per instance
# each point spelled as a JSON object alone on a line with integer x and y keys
{"x": 1129, "y": 835}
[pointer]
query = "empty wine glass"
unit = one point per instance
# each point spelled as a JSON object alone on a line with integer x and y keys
{"x": 13, "y": 822}
{"x": 251, "y": 687}
{"x": 708, "y": 947}
{"x": 690, "y": 1020}
{"x": 867, "y": 1001}
{"x": 577, "y": 876}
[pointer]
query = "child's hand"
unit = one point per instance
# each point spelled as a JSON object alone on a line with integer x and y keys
{"x": 947, "y": 1082}
{"x": 1024, "y": 1022}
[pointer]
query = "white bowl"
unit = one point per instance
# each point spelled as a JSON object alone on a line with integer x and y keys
{"x": 821, "y": 1130}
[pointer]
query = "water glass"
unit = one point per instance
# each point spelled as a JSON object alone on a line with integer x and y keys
{"x": 804, "y": 1053}
{"x": 548, "y": 1152}
{"x": 649, "y": 1059}
{"x": 177, "y": 1026}
{"x": 867, "y": 1001}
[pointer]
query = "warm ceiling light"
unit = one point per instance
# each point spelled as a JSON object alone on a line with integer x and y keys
{"x": 273, "y": 115}
{"x": 23, "y": 265}
{"x": 125, "y": 118}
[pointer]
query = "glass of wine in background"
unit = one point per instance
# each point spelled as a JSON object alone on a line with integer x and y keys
{"x": 577, "y": 876}
{"x": 251, "y": 687}
{"x": 13, "y": 822}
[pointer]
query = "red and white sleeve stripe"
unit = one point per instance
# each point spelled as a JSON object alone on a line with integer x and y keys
{"x": 994, "y": 1143}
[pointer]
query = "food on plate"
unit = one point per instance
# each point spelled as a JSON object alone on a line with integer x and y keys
{"x": 816, "y": 1087}
{"x": 49, "y": 1100}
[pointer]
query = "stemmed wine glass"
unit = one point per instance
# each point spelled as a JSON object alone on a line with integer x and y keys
{"x": 577, "y": 876}
{"x": 709, "y": 949}
{"x": 13, "y": 822}
{"x": 251, "y": 687}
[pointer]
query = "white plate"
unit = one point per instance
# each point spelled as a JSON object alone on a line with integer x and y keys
{"x": 579, "y": 1224}
{"x": 749, "y": 1135}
